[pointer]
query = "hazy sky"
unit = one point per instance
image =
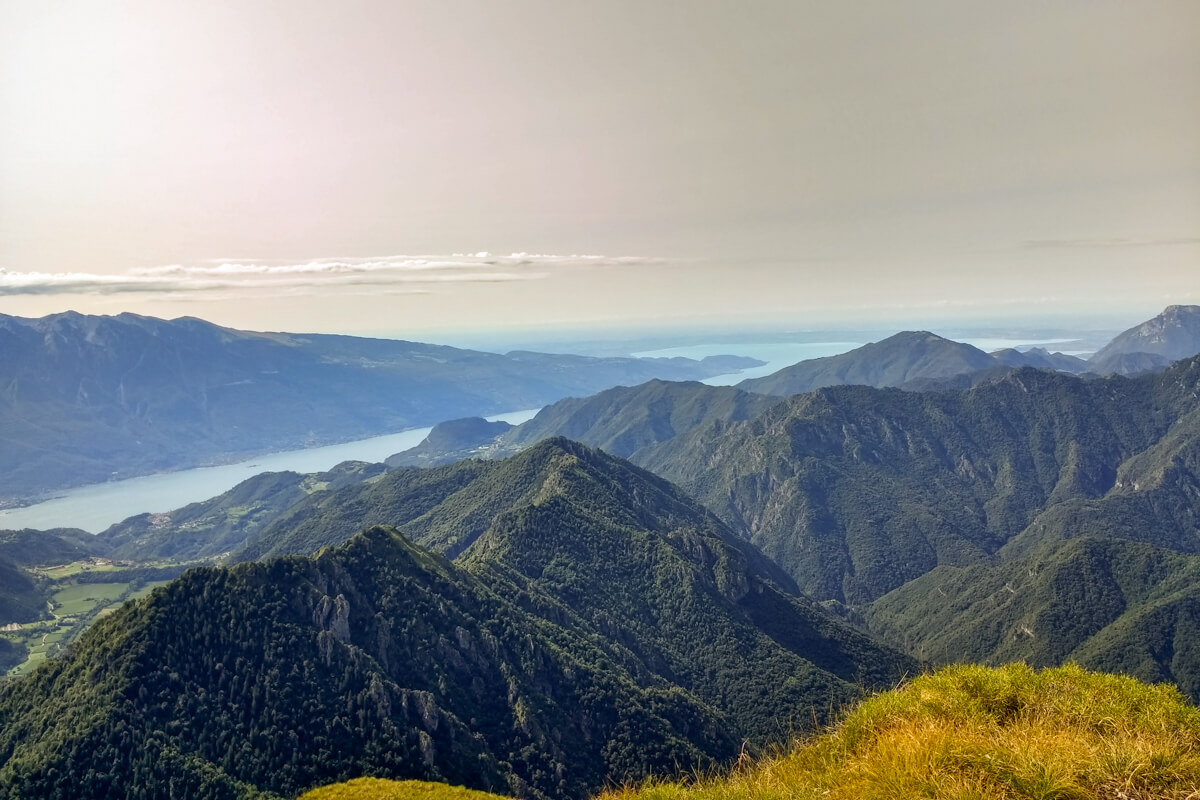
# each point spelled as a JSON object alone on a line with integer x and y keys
{"x": 372, "y": 166}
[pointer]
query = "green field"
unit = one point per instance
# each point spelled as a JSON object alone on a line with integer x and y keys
{"x": 75, "y": 600}
{"x": 74, "y": 568}
{"x": 76, "y": 605}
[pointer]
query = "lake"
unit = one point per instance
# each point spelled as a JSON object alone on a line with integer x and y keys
{"x": 95, "y": 507}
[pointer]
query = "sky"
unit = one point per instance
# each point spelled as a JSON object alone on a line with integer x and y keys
{"x": 423, "y": 167}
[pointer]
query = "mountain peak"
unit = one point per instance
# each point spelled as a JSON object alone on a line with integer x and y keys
{"x": 899, "y": 359}
{"x": 1170, "y": 336}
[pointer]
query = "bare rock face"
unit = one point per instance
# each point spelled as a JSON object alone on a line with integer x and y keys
{"x": 333, "y": 614}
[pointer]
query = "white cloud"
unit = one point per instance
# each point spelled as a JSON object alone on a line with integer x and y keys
{"x": 386, "y": 273}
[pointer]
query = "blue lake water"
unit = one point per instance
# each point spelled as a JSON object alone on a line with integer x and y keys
{"x": 95, "y": 507}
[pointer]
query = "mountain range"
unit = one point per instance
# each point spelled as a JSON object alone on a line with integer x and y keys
{"x": 85, "y": 399}
{"x": 651, "y": 578}
{"x": 922, "y": 360}
{"x": 911, "y": 360}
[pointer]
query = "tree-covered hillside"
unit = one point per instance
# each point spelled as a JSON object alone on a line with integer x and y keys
{"x": 1107, "y": 604}
{"x": 377, "y": 658}
{"x": 598, "y": 625}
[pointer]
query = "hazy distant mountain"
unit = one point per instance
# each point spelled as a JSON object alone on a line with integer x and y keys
{"x": 1041, "y": 358}
{"x": 598, "y": 625}
{"x": 87, "y": 398}
{"x": 1170, "y": 336}
{"x": 1131, "y": 364}
{"x": 894, "y": 361}
{"x": 452, "y": 440}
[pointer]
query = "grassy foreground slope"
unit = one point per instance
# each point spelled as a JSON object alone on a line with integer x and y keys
{"x": 963, "y": 733}
{"x": 985, "y": 734}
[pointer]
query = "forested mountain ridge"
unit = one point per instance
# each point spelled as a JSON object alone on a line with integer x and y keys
{"x": 87, "y": 398}
{"x": 578, "y": 522}
{"x": 377, "y": 657}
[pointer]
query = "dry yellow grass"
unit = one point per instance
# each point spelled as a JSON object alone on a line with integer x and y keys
{"x": 962, "y": 733}
{"x": 978, "y": 733}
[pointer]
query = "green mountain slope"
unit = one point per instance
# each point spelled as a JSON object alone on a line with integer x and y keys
{"x": 598, "y": 625}
{"x": 1113, "y": 605}
{"x": 698, "y": 605}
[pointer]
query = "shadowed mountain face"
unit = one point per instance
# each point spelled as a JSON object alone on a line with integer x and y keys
{"x": 1170, "y": 336}
{"x": 84, "y": 399}
{"x": 1040, "y": 358}
{"x": 855, "y": 491}
{"x": 1112, "y": 605}
{"x": 598, "y": 624}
